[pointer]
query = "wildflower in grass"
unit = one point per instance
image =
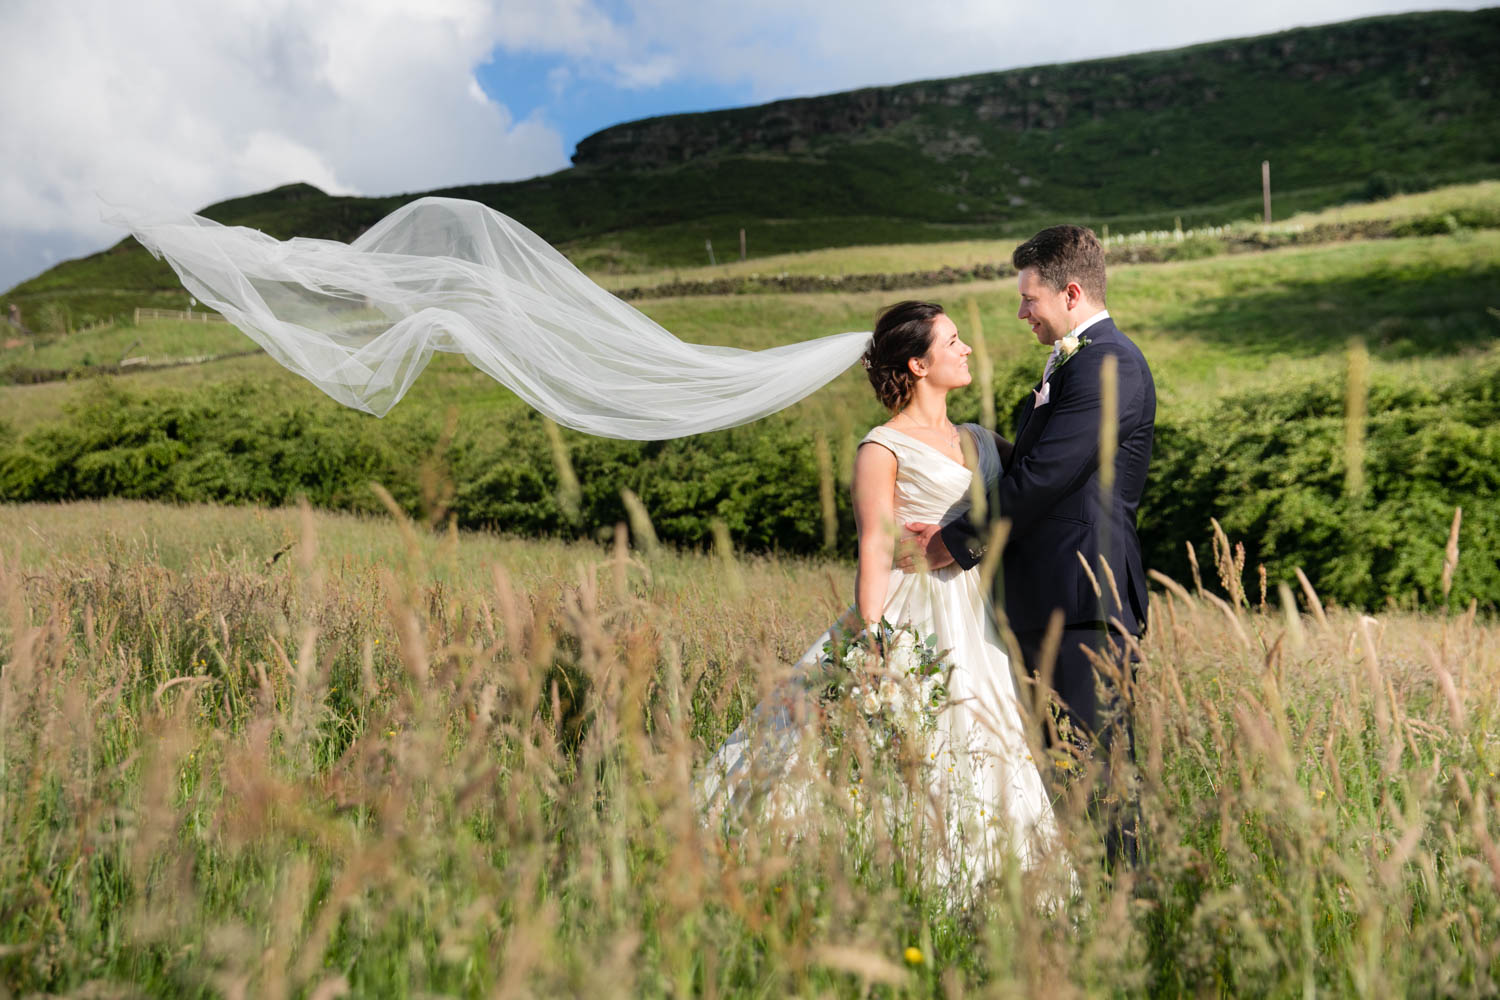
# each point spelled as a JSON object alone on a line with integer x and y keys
{"x": 913, "y": 956}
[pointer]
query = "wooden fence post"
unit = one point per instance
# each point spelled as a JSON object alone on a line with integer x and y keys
{"x": 1265, "y": 187}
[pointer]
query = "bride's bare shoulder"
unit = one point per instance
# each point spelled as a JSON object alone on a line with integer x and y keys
{"x": 884, "y": 447}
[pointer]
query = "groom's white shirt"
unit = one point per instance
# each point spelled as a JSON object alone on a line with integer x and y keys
{"x": 1044, "y": 394}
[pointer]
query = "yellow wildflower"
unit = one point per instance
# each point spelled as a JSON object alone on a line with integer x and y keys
{"x": 913, "y": 956}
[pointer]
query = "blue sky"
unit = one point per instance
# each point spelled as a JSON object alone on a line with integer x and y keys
{"x": 178, "y": 103}
{"x": 549, "y": 89}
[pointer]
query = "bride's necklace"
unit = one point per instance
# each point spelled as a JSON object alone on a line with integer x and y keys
{"x": 950, "y": 430}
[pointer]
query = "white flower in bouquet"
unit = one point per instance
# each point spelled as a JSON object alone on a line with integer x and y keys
{"x": 868, "y": 700}
{"x": 904, "y": 657}
{"x": 857, "y": 659}
{"x": 893, "y": 695}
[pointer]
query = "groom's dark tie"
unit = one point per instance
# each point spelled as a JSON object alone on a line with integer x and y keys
{"x": 1052, "y": 357}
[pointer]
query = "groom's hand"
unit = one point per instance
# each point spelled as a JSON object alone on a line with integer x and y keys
{"x": 924, "y": 544}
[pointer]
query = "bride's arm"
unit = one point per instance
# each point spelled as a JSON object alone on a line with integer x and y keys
{"x": 875, "y": 519}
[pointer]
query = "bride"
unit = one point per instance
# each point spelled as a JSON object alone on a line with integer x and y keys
{"x": 984, "y": 793}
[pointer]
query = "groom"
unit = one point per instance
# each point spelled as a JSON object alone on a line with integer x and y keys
{"x": 1059, "y": 506}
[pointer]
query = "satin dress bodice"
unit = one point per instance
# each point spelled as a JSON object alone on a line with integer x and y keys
{"x": 931, "y": 488}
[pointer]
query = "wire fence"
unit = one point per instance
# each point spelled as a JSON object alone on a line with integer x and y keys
{"x": 186, "y": 316}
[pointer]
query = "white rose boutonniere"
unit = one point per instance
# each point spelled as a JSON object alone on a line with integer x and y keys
{"x": 1069, "y": 346}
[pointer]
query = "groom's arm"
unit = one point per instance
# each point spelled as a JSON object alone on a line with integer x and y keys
{"x": 1067, "y": 452}
{"x": 964, "y": 539}
{"x": 961, "y": 538}
{"x": 1005, "y": 447}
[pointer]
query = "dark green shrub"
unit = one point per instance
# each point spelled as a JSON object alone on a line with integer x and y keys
{"x": 1269, "y": 467}
{"x": 1195, "y": 248}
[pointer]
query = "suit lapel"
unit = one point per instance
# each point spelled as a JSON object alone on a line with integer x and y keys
{"x": 1026, "y": 411}
{"x": 1105, "y": 329}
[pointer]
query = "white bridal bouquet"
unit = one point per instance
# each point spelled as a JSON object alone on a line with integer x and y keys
{"x": 892, "y": 676}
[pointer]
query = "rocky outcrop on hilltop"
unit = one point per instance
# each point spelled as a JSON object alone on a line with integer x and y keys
{"x": 1412, "y": 59}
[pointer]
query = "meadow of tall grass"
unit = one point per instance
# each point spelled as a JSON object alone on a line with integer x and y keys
{"x": 277, "y": 753}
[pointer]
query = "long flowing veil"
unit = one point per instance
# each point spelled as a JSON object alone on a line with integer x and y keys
{"x": 361, "y": 320}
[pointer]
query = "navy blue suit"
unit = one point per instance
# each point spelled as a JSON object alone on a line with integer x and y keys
{"x": 1051, "y": 493}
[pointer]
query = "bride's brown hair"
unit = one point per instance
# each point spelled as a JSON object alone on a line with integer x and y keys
{"x": 902, "y": 332}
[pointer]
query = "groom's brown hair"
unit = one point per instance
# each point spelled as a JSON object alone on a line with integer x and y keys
{"x": 1062, "y": 254}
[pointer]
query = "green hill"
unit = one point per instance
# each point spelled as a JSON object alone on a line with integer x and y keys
{"x": 1342, "y": 111}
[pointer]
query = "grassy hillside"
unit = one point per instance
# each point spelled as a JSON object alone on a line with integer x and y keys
{"x": 1211, "y": 324}
{"x": 1343, "y": 112}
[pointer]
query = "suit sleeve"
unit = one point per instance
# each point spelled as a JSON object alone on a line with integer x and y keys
{"x": 961, "y": 536}
{"x": 1067, "y": 452}
{"x": 964, "y": 539}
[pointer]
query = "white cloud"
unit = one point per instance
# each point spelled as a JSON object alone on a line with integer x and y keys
{"x": 184, "y": 103}
{"x": 783, "y": 48}
{"x": 646, "y": 73}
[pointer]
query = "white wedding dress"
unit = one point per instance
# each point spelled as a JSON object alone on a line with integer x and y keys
{"x": 985, "y": 796}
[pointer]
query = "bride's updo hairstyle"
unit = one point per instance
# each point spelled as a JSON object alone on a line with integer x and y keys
{"x": 903, "y": 332}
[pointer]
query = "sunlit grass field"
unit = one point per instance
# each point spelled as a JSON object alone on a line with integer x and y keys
{"x": 151, "y": 340}
{"x": 248, "y": 752}
{"x": 901, "y": 258}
